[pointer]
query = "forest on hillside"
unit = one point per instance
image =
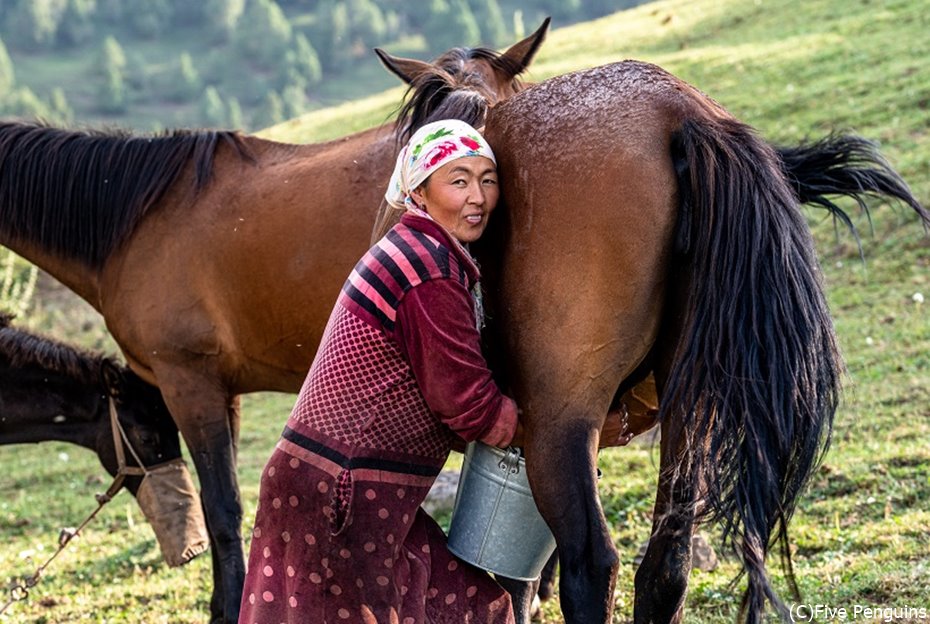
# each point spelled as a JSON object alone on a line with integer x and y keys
{"x": 247, "y": 64}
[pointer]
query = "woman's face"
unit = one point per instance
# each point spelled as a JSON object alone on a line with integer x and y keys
{"x": 460, "y": 196}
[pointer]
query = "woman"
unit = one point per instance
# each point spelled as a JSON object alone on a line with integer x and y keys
{"x": 339, "y": 534}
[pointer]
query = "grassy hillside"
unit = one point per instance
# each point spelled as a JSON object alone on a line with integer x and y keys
{"x": 791, "y": 69}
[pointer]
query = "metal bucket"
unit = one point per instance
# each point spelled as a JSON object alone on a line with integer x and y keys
{"x": 495, "y": 523}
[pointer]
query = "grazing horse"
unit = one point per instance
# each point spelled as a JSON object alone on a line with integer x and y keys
{"x": 214, "y": 259}
{"x": 52, "y": 391}
{"x": 644, "y": 229}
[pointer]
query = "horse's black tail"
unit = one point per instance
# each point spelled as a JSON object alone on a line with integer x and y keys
{"x": 756, "y": 374}
{"x": 845, "y": 165}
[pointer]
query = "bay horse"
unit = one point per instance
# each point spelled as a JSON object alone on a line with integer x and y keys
{"x": 646, "y": 230}
{"x": 214, "y": 259}
{"x": 53, "y": 391}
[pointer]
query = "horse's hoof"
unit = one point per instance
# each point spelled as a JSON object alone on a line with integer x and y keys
{"x": 536, "y": 608}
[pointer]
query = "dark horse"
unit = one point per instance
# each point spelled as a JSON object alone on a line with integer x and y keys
{"x": 648, "y": 231}
{"x": 52, "y": 391}
{"x": 215, "y": 260}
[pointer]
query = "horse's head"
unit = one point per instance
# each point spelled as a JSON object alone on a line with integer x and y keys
{"x": 461, "y": 83}
{"x": 48, "y": 390}
{"x": 144, "y": 417}
{"x": 53, "y": 391}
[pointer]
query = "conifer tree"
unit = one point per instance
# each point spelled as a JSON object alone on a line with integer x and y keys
{"x": 451, "y": 24}
{"x": 437, "y": 19}
{"x": 149, "y": 18}
{"x": 288, "y": 73}
{"x": 187, "y": 84}
{"x": 77, "y": 23}
{"x": 366, "y": 22}
{"x": 110, "y": 68}
{"x": 111, "y": 94}
{"x": 490, "y": 20}
{"x": 25, "y": 104}
{"x": 294, "y": 100}
{"x": 222, "y": 17}
{"x": 264, "y": 33}
{"x": 333, "y": 35}
{"x": 7, "y": 72}
{"x": 271, "y": 111}
{"x": 306, "y": 60}
{"x": 59, "y": 108}
{"x": 110, "y": 57}
{"x": 212, "y": 108}
{"x": 234, "y": 114}
{"x": 33, "y": 23}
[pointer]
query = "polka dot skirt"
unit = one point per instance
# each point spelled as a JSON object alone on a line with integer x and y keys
{"x": 329, "y": 549}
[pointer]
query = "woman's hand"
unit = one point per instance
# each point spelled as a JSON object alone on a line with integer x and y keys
{"x": 616, "y": 430}
{"x": 626, "y": 422}
{"x": 517, "y": 436}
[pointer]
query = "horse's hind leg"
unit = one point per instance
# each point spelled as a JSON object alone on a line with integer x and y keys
{"x": 547, "y": 578}
{"x": 662, "y": 578}
{"x": 568, "y": 501}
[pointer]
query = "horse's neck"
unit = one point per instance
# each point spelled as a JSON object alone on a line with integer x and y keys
{"x": 81, "y": 279}
{"x": 29, "y": 413}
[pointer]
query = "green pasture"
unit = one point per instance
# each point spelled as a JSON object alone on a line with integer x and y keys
{"x": 862, "y": 532}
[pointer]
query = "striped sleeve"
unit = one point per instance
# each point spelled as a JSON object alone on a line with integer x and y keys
{"x": 397, "y": 263}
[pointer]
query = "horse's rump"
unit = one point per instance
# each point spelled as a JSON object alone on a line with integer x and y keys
{"x": 586, "y": 226}
{"x": 625, "y": 188}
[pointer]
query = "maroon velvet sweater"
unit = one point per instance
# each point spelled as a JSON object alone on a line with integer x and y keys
{"x": 400, "y": 363}
{"x": 437, "y": 333}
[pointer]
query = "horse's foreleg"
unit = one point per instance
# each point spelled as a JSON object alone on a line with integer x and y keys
{"x": 205, "y": 416}
{"x": 662, "y": 578}
{"x": 562, "y": 472}
{"x": 522, "y": 594}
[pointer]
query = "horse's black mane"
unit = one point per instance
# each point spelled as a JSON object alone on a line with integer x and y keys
{"x": 446, "y": 92}
{"x": 79, "y": 194}
{"x": 21, "y": 349}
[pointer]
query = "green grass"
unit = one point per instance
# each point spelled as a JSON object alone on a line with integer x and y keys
{"x": 860, "y": 536}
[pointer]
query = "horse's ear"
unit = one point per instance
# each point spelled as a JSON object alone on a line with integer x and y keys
{"x": 112, "y": 377}
{"x": 521, "y": 53}
{"x": 404, "y": 68}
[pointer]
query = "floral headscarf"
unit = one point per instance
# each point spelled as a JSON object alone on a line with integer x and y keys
{"x": 428, "y": 149}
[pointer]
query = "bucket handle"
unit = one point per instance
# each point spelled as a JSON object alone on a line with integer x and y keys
{"x": 511, "y": 461}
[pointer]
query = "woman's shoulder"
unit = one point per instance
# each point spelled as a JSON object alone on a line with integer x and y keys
{"x": 418, "y": 254}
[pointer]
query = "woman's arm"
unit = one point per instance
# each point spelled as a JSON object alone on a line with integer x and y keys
{"x": 435, "y": 328}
